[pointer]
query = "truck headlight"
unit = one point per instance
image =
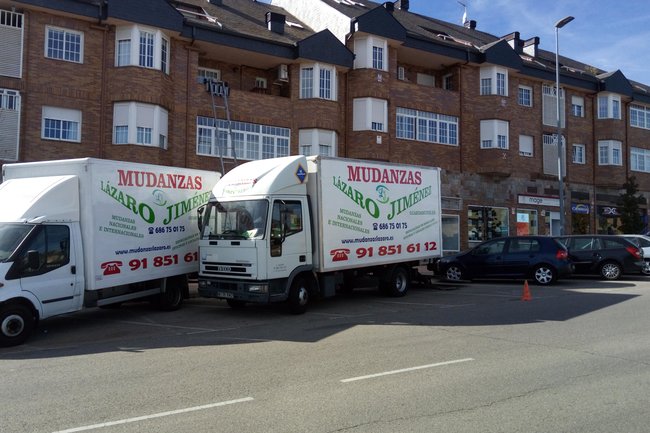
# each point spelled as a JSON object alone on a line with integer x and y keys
{"x": 258, "y": 288}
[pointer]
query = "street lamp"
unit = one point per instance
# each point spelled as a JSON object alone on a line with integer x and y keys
{"x": 558, "y": 26}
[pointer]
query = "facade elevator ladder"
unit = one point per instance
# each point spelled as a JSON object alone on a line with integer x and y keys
{"x": 219, "y": 90}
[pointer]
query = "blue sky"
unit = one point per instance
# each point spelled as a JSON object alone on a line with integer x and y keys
{"x": 608, "y": 34}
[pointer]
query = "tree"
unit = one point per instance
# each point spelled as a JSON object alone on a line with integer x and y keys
{"x": 631, "y": 221}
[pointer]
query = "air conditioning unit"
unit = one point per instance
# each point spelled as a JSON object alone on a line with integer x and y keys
{"x": 283, "y": 73}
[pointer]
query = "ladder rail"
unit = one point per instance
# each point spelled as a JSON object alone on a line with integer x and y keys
{"x": 220, "y": 89}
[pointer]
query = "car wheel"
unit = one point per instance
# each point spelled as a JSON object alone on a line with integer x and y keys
{"x": 454, "y": 273}
{"x": 544, "y": 275}
{"x": 610, "y": 271}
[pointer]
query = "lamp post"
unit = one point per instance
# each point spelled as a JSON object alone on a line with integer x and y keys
{"x": 558, "y": 26}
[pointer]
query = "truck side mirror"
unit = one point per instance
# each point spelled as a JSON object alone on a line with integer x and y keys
{"x": 33, "y": 259}
{"x": 199, "y": 214}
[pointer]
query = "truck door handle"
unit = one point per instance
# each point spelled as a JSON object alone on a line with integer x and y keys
{"x": 73, "y": 269}
{"x": 302, "y": 259}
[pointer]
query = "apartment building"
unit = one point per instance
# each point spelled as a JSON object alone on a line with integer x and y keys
{"x": 209, "y": 84}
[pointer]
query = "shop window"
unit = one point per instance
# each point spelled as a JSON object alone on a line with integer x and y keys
{"x": 484, "y": 223}
{"x": 450, "y": 233}
{"x": 527, "y": 223}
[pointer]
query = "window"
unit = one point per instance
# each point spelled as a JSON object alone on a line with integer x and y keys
{"x": 61, "y": 124}
{"x": 317, "y": 142}
{"x": 525, "y": 96}
{"x": 578, "y": 106}
{"x": 249, "y": 140}
{"x": 640, "y": 160}
{"x": 322, "y": 75}
{"x": 370, "y": 52}
{"x": 640, "y": 116}
{"x": 526, "y": 145}
{"x": 579, "y": 154}
{"x": 138, "y": 123}
{"x": 426, "y": 126}
{"x": 609, "y": 106}
{"x": 609, "y": 152}
{"x": 11, "y": 44}
{"x": 260, "y": 83}
{"x": 64, "y": 44}
{"x": 370, "y": 114}
{"x": 150, "y": 50}
{"x": 286, "y": 220}
{"x": 450, "y": 233}
{"x": 52, "y": 242}
{"x": 9, "y": 124}
{"x": 209, "y": 74}
{"x": 494, "y": 81}
{"x": 494, "y": 134}
{"x": 550, "y": 154}
{"x": 484, "y": 223}
{"x": 527, "y": 223}
{"x": 448, "y": 82}
{"x": 426, "y": 80}
{"x": 549, "y": 102}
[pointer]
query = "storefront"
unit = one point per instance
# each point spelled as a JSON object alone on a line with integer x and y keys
{"x": 608, "y": 221}
{"x": 534, "y": 207}
{"x": 580, "y": 218}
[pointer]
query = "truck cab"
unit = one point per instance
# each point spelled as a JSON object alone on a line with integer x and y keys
{"x": 256, "y": 237}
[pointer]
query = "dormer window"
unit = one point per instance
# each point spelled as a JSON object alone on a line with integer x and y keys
{"x": 371, "y": 52}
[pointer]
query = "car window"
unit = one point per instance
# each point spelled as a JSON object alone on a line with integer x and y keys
{"x": 641, "y": 242}
{"x": 610, "y": 244}
{"x": 495, "y": 247}
{"x": 524, "y": 246}
{"x": 584, "y": 244}
{"x": 635, "y": 241}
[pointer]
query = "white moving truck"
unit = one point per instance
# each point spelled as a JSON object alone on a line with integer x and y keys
{"x": 286, "y": 229}
{"x": 89, "y": 232}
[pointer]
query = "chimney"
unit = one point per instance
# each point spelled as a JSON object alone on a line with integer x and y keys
{"x": 470, "y": 24}
{"x": 515, "y": 42}
{"x": 530, "y": 46}
{"x": 402, "y": 5}
{"x": 390, "y": 6}
{"x": 275, "y": 22}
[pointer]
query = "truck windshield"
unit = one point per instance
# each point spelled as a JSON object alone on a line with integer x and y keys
{"x": 11, "y": 236}
{"x": 244, "y": 219}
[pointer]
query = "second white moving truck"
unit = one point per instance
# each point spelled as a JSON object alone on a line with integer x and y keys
{"x": 286, "y": 229}
{"x": 90, "y": 232}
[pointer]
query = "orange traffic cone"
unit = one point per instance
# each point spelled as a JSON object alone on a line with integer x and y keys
{"x": 526, "y": 296}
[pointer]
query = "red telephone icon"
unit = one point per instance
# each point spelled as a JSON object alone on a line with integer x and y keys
{"x": 340, "y": 254}
{"x": 112, "y": 267}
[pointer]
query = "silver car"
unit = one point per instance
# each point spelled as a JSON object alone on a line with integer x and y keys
{"x": 643, "y": 242}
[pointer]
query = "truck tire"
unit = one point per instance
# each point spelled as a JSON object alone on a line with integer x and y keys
{"x": 17, "y": 322}
{"x": 236, "y": 304}
{"x": 172, "y": 298}
{"x": 298, "y": 295}
{"x": 396, "y": 281}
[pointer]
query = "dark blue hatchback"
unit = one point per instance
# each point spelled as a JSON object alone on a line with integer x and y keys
{"x": 539, "y": 258}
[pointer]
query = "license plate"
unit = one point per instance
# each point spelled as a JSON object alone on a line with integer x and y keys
{"x": 225, "y": 295}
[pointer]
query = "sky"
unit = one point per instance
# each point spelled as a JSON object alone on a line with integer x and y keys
{"x": 607, "y": 34}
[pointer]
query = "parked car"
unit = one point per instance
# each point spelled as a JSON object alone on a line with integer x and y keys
{"x": 643, "y": 242}
{"x": 540, "y": 258}
{"x": 609, "y": 256}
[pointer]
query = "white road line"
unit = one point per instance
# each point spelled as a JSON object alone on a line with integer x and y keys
{"x": 155, "y": 415}
{"x": 405, "y": 370}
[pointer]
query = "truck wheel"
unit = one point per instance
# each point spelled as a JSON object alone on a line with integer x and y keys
{"x": 172, "y": 298}
{"x": 16, "y": 324}
{"x": 396, "y": 281}
{"x": 298, "y": 296}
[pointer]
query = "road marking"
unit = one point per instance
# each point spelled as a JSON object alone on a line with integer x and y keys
{"x": 155, "y": 415}
{"x": 405, "y": 370}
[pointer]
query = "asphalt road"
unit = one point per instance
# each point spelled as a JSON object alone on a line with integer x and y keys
{"x": 446, "y": 358}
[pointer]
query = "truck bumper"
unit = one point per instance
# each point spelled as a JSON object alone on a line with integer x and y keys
{"x": 246, "y": 291}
